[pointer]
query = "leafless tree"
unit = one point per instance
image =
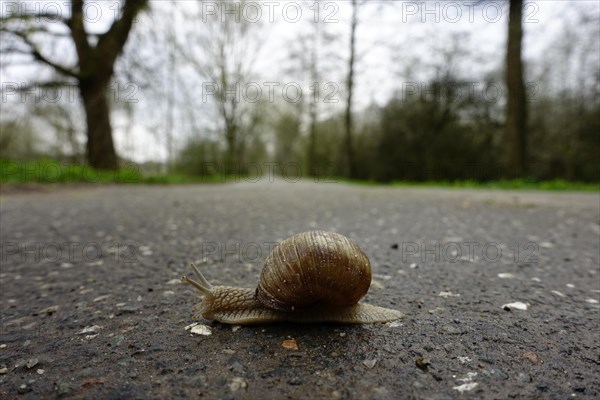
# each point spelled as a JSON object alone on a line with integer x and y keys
{"x": 96, "y": 55}
{"x": 349, "y": 151}
{"x": 222, "y": 48}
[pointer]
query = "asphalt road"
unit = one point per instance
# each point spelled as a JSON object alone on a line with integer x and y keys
{"x": 91, "y": 306}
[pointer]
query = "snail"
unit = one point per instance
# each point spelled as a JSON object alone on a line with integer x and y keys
{"x": 310, "y": 277}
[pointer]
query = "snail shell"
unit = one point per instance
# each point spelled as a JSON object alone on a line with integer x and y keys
{"x": 313, "y": 276}
{"x": 313, "y": 267}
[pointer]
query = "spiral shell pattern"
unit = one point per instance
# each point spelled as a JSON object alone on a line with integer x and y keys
{"x": 314, "y": 267}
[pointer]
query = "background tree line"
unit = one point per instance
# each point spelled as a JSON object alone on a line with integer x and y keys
{"x": 443, "y": 121}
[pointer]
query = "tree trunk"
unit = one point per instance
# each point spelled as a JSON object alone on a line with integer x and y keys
{"x": 349, "y": 147}
{"x": 231, "y": 154}
{"x": 100, "y": 147}
{"x": 312, "y": 108}
{"x": 516, "y": 113}
{"x": 312, "y": 144}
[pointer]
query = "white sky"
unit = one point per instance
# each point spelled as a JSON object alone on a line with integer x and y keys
{"x": 391, "y": 36}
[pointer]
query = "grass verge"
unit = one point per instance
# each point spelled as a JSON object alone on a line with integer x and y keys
{"x": 46, "y": 171}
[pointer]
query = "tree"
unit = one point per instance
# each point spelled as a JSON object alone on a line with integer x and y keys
{"x": 222, "y": 48}
{"x": 516, "y": 112}
{"x": 349, "y": 165}
{"x": 312, "y": 58}
{"x": 93, "y": 70}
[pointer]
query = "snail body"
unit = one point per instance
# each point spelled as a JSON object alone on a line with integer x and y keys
{"x": 310, "y": 277}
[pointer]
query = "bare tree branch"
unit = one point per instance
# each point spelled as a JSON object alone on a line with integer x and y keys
{"x": 48, "y": 17}
{"x": 80, "y": 38}
{"x": 37, "y": 55}
{"x": 116, "y": 36}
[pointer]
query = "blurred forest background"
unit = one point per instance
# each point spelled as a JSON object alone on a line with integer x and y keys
{"x": 375, "y": 90}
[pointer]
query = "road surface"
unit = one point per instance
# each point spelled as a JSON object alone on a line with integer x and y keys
{"x": 500, "y": 291}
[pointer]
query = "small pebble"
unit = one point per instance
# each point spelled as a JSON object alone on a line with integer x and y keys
{"x": 128, "y": 309}
{"x": 290, "y": 344}
{"x": 3, "y": 346}
{"x": 200, "y": 329}
{"x": 516, "y": 306}
{"x": 531, "y": 356}
{"x": 40, "y": 371}
{"x": 591, "y": 301}
{"x": 32, "y": 362}
{"x": 370, "y": 363}
{"x": 237, "y": 383}
{"x": 557, "y": 293}
{"x": 448, "y": 294}
{"x": 413, "y": 266}
{"x": 505, "y": 275}
{"x": 3, "y": 370}
{"x": 90, "y": 329}
{"x": 466, "y": 387}
{"x": 437, "y": 310}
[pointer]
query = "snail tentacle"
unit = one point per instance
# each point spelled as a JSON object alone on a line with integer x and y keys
{"x": 203, "y": 286}
{"x": 203, "y": 280}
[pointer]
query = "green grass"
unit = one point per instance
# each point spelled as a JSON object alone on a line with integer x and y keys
{"x": 51, "y": 171}
{"x": 521, "y": 184}
{"x": 45, "y": 171}
{"x": 524, "y": 184}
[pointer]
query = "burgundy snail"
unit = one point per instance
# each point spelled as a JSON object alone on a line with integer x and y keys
{"x": 310, "y": 277}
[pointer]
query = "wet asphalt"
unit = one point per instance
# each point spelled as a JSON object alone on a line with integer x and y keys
{"x": 500, "y": 291}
